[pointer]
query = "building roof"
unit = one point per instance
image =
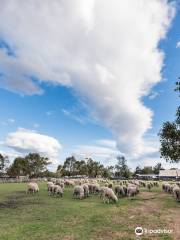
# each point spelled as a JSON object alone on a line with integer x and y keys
{"x": 169, "y": 173}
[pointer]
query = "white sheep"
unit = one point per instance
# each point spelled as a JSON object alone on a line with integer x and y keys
{"x": 78, "y": 192}
{"x": 68, "y": 182}
{"x": 109, "y": 195}
{"x": 53, "y": 188}
{"x": 102, "y": 191}
{"x": 49, "y": 186}
{"x": 119, "y": 191}
{"x": 176, "y": 193}
{"x": 132, "y": 190}
{"x": 86, "y": 190}
{"x": 58, "y": 191}
{"x": 32, "y": 188}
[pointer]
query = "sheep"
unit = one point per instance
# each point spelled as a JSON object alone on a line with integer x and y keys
{"x": 143, "y": 184}
{"x": 109, "y": 195}
{"x": 102, "y": 191}
{"x": 60, "y": 182}
{"x": 132, "y": 191}
{"x": 78, "y": 192}
{"x": 86, "y": 190}
{"x": 172, "y": 187}
{"x": 90, "y": 186}
{"x": 156, "y": 184}
{"x": 119, "y": 191}
{"x": 49, "y": 186}
{"x": 149, "y": 186}
{"x": 94, "y": 188}
{"x": 68, "y": 182}
{"x": 163, "y": 187}
{"x": 58, "y": 190}
{"x": 176, "y": 193}
{"x": 53, "y": 188}
{"x": 32, "y": 187}
{"x": 125, "y": 190}
{"x": 110, "y": 185}
{"x": 166, "y": 187}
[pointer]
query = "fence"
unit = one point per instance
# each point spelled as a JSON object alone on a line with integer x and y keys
{"x": 21, "y": 180}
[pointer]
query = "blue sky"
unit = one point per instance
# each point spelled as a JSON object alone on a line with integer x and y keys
{"x": 82, "y": 96}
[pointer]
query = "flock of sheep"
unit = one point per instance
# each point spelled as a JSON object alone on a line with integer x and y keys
{"x": 109, "y": 191}
{"x": 173, "y": 189}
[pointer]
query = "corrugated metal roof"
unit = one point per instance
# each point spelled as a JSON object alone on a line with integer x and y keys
{"x": 169, "y": 173}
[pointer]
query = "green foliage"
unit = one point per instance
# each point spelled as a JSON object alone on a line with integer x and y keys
{"x": 138, "y": 170}
{"x": 18, "y": 167}
{"x": 170, "y": 137}
{"x": 122, "y": 170}
{"x": 157, "y": 168}
{"x": 32, "y": 164}
{"x": 3, "y": 163}
{"x": 177, "y": 89}
{"x": 170, "y": 141}
{"x": 148, "y": 169}
{"x": 36, "y": 163}
{"x": 90, "y": 168}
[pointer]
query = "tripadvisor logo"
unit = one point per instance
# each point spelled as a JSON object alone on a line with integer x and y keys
{"x": 139, "y": 231}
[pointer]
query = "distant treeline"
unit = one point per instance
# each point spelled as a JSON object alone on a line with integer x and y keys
{"x": 35, "y": 165}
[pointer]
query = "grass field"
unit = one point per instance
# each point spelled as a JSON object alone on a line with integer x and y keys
{"x": 40, "y": 217}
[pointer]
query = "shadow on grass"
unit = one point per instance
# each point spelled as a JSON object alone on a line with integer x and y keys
{"x": 19, "y": 199}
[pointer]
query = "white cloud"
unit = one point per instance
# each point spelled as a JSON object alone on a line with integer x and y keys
{"x": 10, "y": 154}
{"x": 153, "y": 95}
{"x": 178, "y": 44}
{"x": 24, "y": 141}
{"x": 107, "y": 143}
{"x": 104, "y": 154}
{"x": 80, "y": 119}
{"x": 8, "y": 121}
{"x": 35, "y": 125}
{"x": 152, "y": 161}
{"x": 100, "y": 48}
{"x": 50, "y": 113}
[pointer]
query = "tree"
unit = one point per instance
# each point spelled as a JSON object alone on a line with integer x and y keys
{"x": 170, "y": 137}
{"x": 170, "y": 141}
{"x": 18, "y": 168}
{"x": 69, "y": 166}
{"x": 147, "y": 170}
{"x": 177, "y": 89}
{"x": 138, "y": 170}
{"x": 3, "y": 163}
{"x": 59, "y": 171}
{"x": 157, "y": 168}
{"x": 107, "y": 172}
{"x": 121, "y": 167}
{"x": 36, "y": 163}
{"x": 33, "y": 164}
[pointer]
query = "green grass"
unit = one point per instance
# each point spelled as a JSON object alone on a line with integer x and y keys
{"x": 41, "y": 217}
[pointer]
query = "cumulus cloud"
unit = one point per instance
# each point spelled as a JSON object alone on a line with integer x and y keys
{"x": 8, "y": 121}
{"x": 106, "y": 142}
{"x": 106, "y": 50}
{"x": 24, "y": 141}
{"x": 178, "y": 44}
{"x": 103, "y": 153}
